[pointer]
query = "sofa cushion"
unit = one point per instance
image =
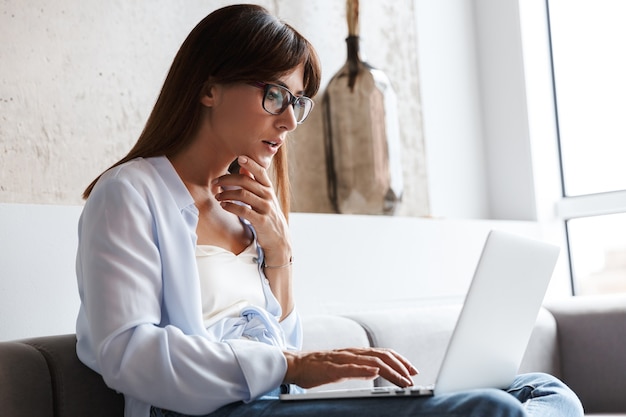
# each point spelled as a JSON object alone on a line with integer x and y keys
{"x": 421, "y": 334}
{"x": 323, "y": 332}
{"x": 542, "y": 352}
{"x": 25, "y": 384}
{"x": 76, "y": 389}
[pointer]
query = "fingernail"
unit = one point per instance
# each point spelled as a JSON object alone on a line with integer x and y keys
{"x": 242, "y": 160}
{"x": 215, "y": 181}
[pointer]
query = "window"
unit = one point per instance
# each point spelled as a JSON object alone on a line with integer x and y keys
{"x": 589, "y": 74}
{"x": 598, "y": 253}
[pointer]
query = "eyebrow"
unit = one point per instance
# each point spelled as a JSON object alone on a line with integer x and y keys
{"x": 282, "y": 84}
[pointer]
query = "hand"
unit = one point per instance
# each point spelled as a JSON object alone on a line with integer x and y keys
{"x": 253, "y": 187}
{"x": 310, "y": 369}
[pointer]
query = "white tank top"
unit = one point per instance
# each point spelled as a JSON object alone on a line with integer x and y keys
{"x": 228, "y": 282}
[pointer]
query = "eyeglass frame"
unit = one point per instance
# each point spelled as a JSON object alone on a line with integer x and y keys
{"x": 291, "y": 102}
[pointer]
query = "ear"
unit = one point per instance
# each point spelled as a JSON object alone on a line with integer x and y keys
{"x": 209, "y": 94}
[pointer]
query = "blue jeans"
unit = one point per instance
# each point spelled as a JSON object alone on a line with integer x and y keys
{"x": 530, "y": 395}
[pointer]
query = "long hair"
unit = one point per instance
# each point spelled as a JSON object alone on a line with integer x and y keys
{"x": 237, "y": 43}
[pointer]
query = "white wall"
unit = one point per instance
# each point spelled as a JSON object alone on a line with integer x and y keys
{"x": 505, "y": 119}
{"x": 38, "y": 292}
{"x": 482, "y": 160}
{"x": 452, "y": 109}
{"x": 489, "y": 122}
{"x": 373, "y": 263}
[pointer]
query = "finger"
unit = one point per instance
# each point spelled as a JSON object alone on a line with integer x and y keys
{"x": 389, "y": 357}
{"x": 391, "y": 365}
{"x": 393, "y": 374}
{"x": 257, "y": 171}
{"x": 241, "y": 187}
{"x": 396, "y": 379}
{"x": 310, "y": 369}
{"x": 412, "y": 369}
{"x": 246, "y": 181}
{"x": 245, "y": 172}
{"x": 243, "y": 210}
{"x": 396, "y": 358}
{"x": 341, "y": 372}
{"x": 259, "y": 203}
{"x": 237, "y": 180}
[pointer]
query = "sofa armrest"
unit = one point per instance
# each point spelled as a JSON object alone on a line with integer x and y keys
{"x": 76, "y": 389}
{"x": 592, "y": 339}
{"x": 25, "y": 385}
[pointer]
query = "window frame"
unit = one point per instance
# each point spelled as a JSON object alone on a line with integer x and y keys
{"x": 566, "y": 208}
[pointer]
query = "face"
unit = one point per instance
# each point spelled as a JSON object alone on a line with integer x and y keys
{"x": 238, "y": 124}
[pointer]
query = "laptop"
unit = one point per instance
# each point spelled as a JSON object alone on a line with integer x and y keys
{"x": 495, "y": 324}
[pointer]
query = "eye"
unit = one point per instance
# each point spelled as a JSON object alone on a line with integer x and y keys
{"x": 275, "y": 95}
{"x": 301, "y": 102}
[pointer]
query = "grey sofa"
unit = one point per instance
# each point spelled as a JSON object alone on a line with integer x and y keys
{"x": 581, "y": 340}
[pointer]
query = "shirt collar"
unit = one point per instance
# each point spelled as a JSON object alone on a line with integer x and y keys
{"x": 173, "y": 182}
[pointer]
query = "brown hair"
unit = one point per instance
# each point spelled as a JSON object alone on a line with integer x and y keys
{"x": 232, "y": 44}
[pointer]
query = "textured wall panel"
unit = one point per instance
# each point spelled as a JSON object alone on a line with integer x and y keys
{"x": 79, "y": 77}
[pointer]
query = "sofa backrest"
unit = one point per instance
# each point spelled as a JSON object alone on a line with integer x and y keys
{"x": 422, "y": 335}
{"x": 44, "y": 377}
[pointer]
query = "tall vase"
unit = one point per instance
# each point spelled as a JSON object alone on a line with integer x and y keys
{"x": 362, "y": 136}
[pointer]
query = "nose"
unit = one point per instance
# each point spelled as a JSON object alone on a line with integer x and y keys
{"x": 287, "y": 119}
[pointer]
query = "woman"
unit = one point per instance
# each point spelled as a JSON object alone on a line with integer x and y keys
{"x": 184, "y": 268}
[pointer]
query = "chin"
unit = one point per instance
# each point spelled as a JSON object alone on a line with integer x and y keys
{"x": 265, "y": 161}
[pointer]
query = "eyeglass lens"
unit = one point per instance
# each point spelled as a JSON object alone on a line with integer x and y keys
{"x": 278, "y": 98}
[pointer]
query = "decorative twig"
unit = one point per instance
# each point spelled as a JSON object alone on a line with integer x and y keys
{"x": 352, "y": 14}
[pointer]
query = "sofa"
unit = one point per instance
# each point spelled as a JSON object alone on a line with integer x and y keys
{"x": 582, "y": 340}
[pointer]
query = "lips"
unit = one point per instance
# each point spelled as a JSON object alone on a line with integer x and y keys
{"x": 273, "y": 143}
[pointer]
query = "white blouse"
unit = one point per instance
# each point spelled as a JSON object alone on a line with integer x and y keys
{"x": 228, "y": 282}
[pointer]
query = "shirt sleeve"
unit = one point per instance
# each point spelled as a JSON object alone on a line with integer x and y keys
{"x": 292, "y": 327}
{"x": 123, "y": 331}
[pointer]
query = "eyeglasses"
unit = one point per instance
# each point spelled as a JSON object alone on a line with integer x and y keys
{"x": 277, "y": 98}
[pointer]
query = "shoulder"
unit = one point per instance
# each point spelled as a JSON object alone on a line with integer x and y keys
{"x": 141, "y": 175}
{"x": 126, "y": 187}
{"x": 138, "y": 169}
{"x": 147, "y": 183}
